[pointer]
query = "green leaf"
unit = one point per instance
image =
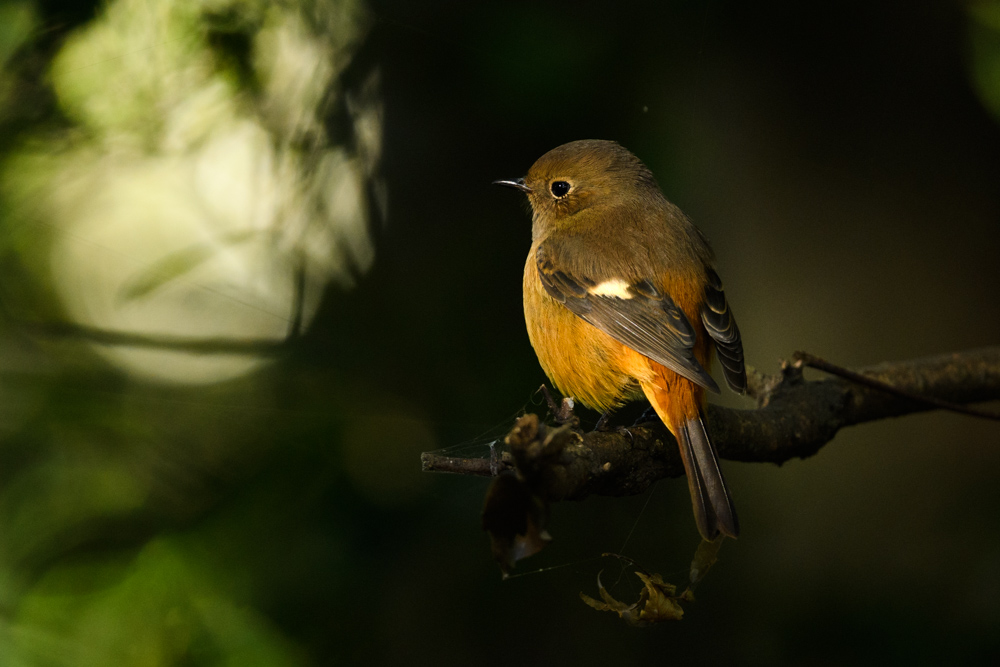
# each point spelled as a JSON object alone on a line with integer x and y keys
{"x": 176, "y": 265}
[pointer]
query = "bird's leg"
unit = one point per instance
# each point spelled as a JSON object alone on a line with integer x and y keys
{"x": 602, "y": 423}
{"x": 603, "y": 426}
{"x": 649, "y": 414}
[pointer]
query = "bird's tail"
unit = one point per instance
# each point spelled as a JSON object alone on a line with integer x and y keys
{"x": 713, "y": 509}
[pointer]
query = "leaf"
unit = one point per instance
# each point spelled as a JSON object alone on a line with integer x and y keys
{"x": 704, "y": 558}
{"x": 658, "y": 602}
{"x": 175, "y": 265}
{"x": 515, "y": 519}
{"x": 161, "y": 606}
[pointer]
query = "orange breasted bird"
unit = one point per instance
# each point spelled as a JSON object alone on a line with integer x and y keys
{"x": 622, "y": 301}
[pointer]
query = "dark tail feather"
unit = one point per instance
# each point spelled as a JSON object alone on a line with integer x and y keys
{"x": 713, "y": 509}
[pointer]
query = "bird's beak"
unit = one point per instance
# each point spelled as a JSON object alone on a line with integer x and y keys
{"x": 516, "y": 183}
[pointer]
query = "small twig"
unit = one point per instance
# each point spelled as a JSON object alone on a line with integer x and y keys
{"x": 549, "y": 400}
{"x": 194, "y": 345}
{"x": 491, "y": 467}
{"x": 562, "y": 411}
{"x": 806, "y": 359}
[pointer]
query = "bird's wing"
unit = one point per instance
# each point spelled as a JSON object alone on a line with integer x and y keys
{"x": 635, "y": 313}
{"x": 721, "y": 326}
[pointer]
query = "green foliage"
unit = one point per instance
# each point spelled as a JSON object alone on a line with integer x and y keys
{"x": 984, "y": 40}
{"x": 161, "y": 607}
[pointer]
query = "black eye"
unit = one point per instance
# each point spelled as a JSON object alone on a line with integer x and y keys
{"x": 560, "y": 188}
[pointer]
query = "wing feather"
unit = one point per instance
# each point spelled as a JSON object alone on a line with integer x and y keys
{"x": 721, "y": 326}
{"x": 642, "y": 317}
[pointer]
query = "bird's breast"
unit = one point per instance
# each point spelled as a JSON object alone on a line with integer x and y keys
{"x": 581, "y": 360}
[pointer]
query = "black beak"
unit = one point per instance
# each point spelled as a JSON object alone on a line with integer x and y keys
{"x": 517, "y": 183}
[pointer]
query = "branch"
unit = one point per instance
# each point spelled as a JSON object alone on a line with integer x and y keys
{"x": 794, "y": 418}
{"x": 195, "y": 345}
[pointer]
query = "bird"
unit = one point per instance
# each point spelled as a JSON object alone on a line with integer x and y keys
{"x": 622, "y": 301}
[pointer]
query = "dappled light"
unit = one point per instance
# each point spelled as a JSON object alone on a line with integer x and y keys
{"x": 196, "y": 191}
{"x": 252, "y": 266}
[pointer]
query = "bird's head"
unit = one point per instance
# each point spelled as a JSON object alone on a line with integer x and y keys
{"x": 580, "y": 176}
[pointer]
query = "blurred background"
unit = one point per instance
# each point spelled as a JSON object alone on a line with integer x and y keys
{"x": 251, "y": 266}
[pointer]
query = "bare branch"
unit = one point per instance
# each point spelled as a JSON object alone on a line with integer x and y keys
{"x": 206, "y": 345}
{"x": 806, "y": 359}
{"x": 794, "y": 418}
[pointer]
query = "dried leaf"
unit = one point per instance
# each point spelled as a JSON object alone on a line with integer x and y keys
{"x": 515, "y": 519}
{"x": 658, "y": 602}
{"x": 704, "y": 558}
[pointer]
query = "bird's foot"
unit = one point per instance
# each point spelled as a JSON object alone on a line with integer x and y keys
{"x": 648, "y": 415}
{"x": 602, "y": 423}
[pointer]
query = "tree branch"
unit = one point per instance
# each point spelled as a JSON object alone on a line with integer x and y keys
{"x": 793, "y": 418}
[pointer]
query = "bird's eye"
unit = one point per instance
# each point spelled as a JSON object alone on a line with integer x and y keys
{"x": 560, "y": 188}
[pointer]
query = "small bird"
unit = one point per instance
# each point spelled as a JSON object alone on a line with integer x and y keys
{"x": 621, "y": 301}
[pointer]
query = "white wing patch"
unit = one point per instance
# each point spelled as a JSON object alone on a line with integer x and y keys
{"x": 615, "y": 287}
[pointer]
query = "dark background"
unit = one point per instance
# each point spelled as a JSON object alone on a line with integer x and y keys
{"x": 847, "y": 171}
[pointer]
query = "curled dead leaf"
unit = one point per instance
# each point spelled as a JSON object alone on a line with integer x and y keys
{"x": 515, "y": 519}
{"x": 658, "y": 602}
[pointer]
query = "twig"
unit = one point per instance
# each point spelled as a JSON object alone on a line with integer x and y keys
{"x": 195, "y": 345}
{"x": 431, "y": 462}
{"x": 804, "y": 358}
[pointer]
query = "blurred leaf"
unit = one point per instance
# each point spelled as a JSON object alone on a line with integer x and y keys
{"x": 177, "y": 264}
{"x": 162, "y": 608}
{"x": 17, "y": 20}
{"x": 984, "y": 37}
{"x": 46, "y": 507}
